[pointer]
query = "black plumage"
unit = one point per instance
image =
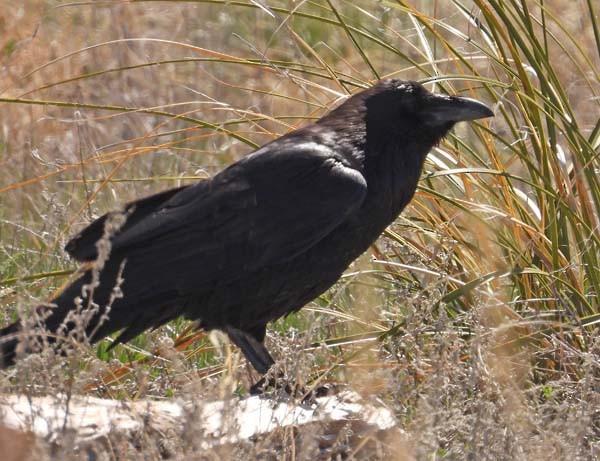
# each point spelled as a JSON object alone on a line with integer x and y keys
{"x": 269, "y": 233}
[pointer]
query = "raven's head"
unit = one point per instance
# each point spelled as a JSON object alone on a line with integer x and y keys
{"x": 407, "y": 108}
{"x": 402, "y": 116}
{"x": 395, "y": 120}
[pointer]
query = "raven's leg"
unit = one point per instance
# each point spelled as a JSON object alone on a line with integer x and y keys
{"x": 254, "y": 350}
{"x": 257, "y": 354}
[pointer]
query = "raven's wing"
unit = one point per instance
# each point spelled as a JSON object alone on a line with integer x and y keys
{"x": 263, "y": 210}
{"x": 83, "y": 246}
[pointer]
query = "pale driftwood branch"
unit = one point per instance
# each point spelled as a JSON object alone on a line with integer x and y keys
{"x": 215, "y": 423}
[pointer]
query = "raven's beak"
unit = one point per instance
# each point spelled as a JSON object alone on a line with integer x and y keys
{"x": 451, "y": 109}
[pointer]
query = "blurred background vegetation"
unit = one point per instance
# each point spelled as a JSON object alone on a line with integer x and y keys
{"x": 475, "y": 317}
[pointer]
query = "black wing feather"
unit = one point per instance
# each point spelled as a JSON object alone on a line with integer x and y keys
{"x": 82, "y": 247}
{"x": 241, "y": 220}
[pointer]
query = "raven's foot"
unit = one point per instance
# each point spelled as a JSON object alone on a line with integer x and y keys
{"x": 307, "y": 395}
{"x": 270, "y": 382}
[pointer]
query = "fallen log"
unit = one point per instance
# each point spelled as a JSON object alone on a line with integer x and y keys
{"x": 339, "y": 422}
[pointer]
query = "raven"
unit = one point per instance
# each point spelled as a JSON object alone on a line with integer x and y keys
{"x": 263, "y": 237}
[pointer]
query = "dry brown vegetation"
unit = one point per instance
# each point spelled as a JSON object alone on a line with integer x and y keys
{"x": 474, "y": 318}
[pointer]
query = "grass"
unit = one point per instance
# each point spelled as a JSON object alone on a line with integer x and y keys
{"x": 475, "y": 317}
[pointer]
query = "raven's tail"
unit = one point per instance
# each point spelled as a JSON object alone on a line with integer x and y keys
{"x": 9, "y": 339}
{"x": 43, "y": 328}
{"x": 73, "y": 316}
{"x": 51, "y": 326}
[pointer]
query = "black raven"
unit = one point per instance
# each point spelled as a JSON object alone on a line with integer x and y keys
{"x": 264, "y": 236}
